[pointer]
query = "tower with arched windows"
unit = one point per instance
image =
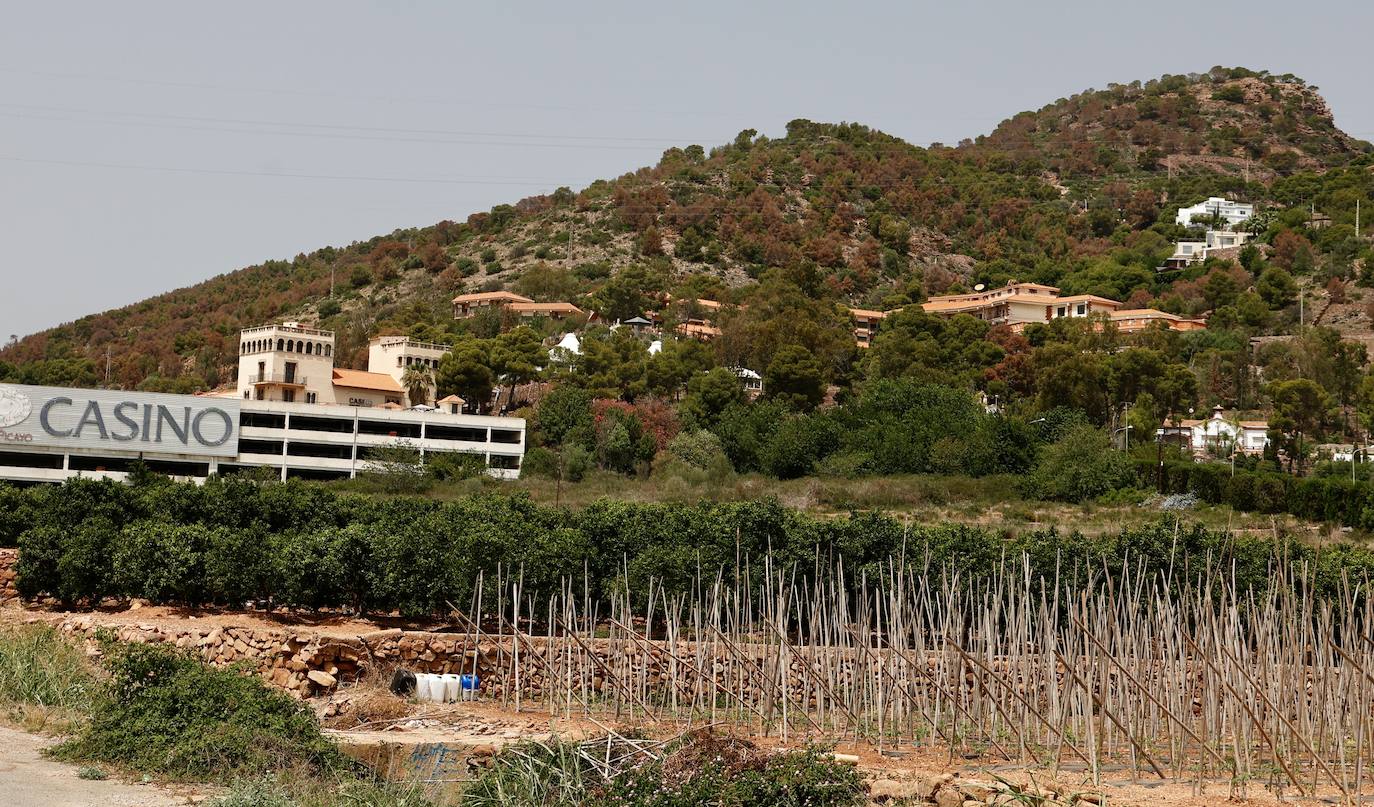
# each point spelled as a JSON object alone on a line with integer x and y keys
{"x": 286, "y": 362}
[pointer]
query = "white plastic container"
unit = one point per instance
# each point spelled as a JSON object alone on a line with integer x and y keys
{"x": 429, "y": 687}
{"x": 451, "y": 688}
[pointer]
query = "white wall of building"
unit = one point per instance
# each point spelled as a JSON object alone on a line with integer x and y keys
{"x": 391, "y": 355}
{"x": 291, "y": 439}
{"x": 1232, "y": 213}
{"x": 289, "y": 361}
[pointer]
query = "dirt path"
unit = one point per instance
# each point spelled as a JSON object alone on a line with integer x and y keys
{"x": 29, "y": 779}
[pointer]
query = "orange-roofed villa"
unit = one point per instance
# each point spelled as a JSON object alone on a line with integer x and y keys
{"x": 1020, "y": 304}
{"x": 467, "y": 305}
{"x": 554, "y": 311}
{"x": 866, "y": 322}
{"x": 1133, "y": 320}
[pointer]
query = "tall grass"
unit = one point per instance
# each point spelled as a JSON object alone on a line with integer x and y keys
{"x": 307, "y": 791}
{"x": 550, "y": 774}
{"x": 46, "y": 683}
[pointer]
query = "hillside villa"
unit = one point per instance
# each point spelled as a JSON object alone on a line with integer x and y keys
{"x": 1217, "y": 436}
{"x": 1020, "y": 304}
{"x": 1187, "y": 253}
{"x": 1232, "y": 213}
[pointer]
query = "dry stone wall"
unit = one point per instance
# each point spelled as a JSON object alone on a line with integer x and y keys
{"x": 8, "y": 559}
{"x": 302, "y": 662}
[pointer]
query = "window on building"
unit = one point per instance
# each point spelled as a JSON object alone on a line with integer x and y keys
{"x": 245, "y": 395}
{"x": 288, "y": 395}
{"x": 1082, "y": 309}
{"x": 310, "y": 397}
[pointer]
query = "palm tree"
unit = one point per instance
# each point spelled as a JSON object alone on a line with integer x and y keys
{"x": 417, "y": 380}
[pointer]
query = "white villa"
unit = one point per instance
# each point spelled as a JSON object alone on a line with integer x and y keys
{"x": 1232, "y": 213}
{"x": 1218, "y": 436}
{"x": 1187, "y": 253}
{"x": 750, "y": 380}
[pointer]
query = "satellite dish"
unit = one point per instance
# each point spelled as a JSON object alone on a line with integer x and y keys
{"x": 979, "y": 287}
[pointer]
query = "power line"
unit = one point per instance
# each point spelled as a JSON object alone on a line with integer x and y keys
{"x": 346, "y": 127}
{"x": 389, "y": 99}
{"x": 279, "y": 174}
{"x": 343, "y": 136}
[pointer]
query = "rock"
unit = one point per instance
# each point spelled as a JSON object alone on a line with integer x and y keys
{"x": 949, "y": 797}
{"x": 891, "y": 790}
{"x": 322, "y": 678}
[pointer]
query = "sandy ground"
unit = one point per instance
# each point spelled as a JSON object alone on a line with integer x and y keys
{"x": 28, "y": 779}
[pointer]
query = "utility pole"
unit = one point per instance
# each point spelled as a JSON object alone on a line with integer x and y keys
{"x": 331, "y": 281}
{"x": 1357, "y": 219}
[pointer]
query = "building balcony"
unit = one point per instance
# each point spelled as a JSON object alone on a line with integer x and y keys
{"x": 277, "y": 379}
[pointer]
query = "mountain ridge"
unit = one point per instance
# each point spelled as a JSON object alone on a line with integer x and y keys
{"x": 849, "y": 213}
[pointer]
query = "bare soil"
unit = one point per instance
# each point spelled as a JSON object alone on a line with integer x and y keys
{"x": 364, "y": 715}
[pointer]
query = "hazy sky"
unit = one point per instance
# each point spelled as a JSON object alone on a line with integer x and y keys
{"x": 146, "y": 146}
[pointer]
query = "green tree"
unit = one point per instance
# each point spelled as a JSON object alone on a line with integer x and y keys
{"x": 564, "y": 415}
{"x": 1079, "y": 466}
{"x": 1277, "y": 288}
{"x": 793, "y": 379}
{"x": 1301, "y": 407}
{"x": 613, "y": 365}
{"x": 466, "y": 371}
{"x": 709, "y": 394}
{"x": 517, "y": 357}
{"x": 1220, "y": 288}
{"x": 1068, "y": 376}
{"x": 626, "y": 294}
{"x": 668, "y": 371}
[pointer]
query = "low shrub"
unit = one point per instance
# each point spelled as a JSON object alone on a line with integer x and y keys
{"x": 167, "y": 713}
{"x": 1081, "y": 465}
{"x": 696, "y": 771}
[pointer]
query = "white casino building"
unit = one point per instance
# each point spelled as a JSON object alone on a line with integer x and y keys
{"x": 291, "y": 411}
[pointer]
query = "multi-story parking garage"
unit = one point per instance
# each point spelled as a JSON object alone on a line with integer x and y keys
{"x": 48, "y": 434}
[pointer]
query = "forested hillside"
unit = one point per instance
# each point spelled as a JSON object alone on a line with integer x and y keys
{"x": 1079, "y": 194}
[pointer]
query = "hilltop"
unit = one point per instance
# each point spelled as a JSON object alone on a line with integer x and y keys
{"x": 1227, "y": 120}
{"x": 1079, "y": 194}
